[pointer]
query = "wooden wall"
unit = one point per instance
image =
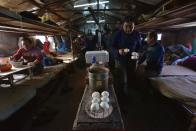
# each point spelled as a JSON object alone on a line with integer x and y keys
{"x": 168, "y": 38}
{"x": 178, "y": 37}
{"x": 8, "y": 43}
{"x": 185, "y": 36}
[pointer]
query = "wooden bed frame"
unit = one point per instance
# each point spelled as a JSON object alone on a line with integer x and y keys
{"x": 178, "y": 72}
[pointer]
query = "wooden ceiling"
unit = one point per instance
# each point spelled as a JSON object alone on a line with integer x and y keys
{"x": 62, "y": 10}
{"x": 147, "y": 12}
{"x": 178, "y": 17}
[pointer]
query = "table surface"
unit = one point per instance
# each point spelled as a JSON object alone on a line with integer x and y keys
{"x": 14, "y": 70}
{"x": 85, "y": 122}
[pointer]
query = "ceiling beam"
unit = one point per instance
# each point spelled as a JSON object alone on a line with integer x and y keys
{"x": 161, "y": 3}
{"x": 113, "y": 15}
{"x": 22, "y": 29}
{"x": 93, "y": 15}
{"x": 136, "y": 2}
{"x": 22, "y": 2}
{"x": 180, "y": 15}
{"x": 95, "y": 10}
{"x": 101, "y": 14}
{"x": 82, "y": 19}
{"x": 161, "y": 6}
{"x": 143, "y": 3}
{"x": 52, "y": 3}
{"x": 70, "y": 1}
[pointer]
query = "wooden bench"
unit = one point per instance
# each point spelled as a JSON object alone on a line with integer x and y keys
{"x": 12, "y": 99}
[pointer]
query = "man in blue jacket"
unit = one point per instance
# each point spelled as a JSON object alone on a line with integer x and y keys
{"x": 154, "y": 56}
{"x": 124, "y": 42}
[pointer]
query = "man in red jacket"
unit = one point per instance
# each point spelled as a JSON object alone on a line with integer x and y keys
{"x": 46, "y": 46}
{"x": 31, "y": 55}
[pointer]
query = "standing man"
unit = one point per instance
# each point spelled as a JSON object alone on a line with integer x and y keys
{"x": 154, "y": 56}
{"x": 125, "y": 41}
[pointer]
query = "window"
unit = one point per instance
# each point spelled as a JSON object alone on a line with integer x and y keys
{"x": 50, "y": 39}
{"x": 159, "y": 36}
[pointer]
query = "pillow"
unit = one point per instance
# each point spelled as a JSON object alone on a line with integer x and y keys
{"x": 190, "y": 63}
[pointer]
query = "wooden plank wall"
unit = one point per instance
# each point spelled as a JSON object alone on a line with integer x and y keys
{"x": 8, "y": 43}
{"x": 168, "y": 38}
{"x": 183, "y": 36}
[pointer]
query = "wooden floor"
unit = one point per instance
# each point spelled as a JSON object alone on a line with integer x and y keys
{"x": 55, "y": 107}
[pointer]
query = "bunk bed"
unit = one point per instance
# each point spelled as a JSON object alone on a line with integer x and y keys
{"x": 12, "y": 99}
{"x": 170, "y": 19}
{"x": 176, "y": 70}
{"x": 178, "y": 83}
{"x": 13, "y": 22}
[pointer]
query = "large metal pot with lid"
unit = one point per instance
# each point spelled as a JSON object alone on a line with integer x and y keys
{"x": 98, "y": 77}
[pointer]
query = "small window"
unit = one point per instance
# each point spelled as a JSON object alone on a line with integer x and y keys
{"x": 146, "y": 39}
{"x": 159, "y": 36}
{"x": 40, "y": 37}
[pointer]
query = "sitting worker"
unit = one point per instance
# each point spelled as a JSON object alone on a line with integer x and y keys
{"x": 31, "y": 55}
{"x": 61, "y": 49}
{"x": 47, "y": 49}
{"x": 124, "y": 42}
{"x": 153, "y": 55}
{"x": 38, "y": 44}
{"x": 46, "y": 46}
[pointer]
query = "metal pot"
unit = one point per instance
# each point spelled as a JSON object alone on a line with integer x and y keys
{"x": 98, "y": 77}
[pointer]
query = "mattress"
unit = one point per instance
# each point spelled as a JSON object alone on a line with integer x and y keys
{"x": 175, "y": 70}
{"x": 182, "y": 89}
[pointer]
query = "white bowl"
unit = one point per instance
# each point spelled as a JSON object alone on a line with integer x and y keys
{"x": 96, "y": 94}
{"x": 94, "y": 107}
{"x": 95, "y": 100}
{"x": 105, "y": 93}
{"x": 104, "y": 105}
{"x": 105, "y": 99}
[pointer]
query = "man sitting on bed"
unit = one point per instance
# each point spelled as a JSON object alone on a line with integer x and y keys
{"x": 153, "y": 55}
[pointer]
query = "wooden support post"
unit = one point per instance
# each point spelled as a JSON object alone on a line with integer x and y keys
{"x": 71, "y": 42}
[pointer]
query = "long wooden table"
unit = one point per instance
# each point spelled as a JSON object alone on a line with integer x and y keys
{"x": 84, "y": 122}
{"x": 9, "y": 74}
